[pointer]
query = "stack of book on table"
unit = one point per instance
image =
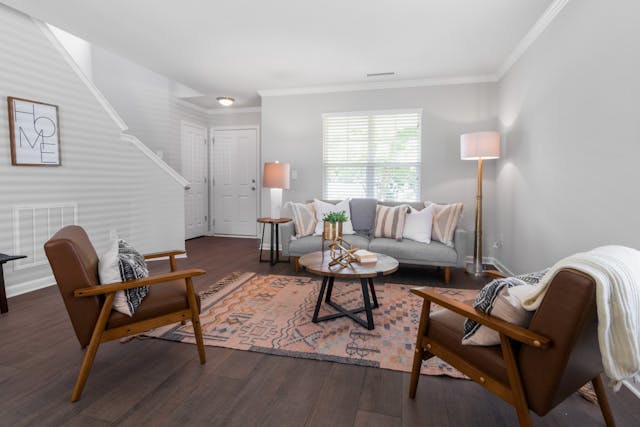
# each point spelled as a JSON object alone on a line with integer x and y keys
{"x": 365, "y": 257}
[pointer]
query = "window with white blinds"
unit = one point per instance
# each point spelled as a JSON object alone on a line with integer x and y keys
{"x": 372, "y": 154}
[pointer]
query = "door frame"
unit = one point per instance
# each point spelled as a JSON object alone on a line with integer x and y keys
{"x": 212, "y": 131}
{"x": 207, "y": 193}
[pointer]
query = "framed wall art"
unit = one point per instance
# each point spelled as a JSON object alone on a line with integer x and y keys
{"x": 34, "y": 132}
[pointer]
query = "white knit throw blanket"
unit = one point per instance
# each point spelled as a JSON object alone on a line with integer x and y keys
{"x": 616, "y": 272}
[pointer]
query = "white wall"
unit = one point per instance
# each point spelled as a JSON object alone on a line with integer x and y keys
{"x": 147, "y": 101}
{"x": 569, "y": 109}
{"x": 114, "y": 184}
{"x": 292, "y": 132}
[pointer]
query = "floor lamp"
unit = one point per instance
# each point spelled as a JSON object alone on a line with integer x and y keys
{"x": 276, "y": 178}
{"x": 479, "y": 146}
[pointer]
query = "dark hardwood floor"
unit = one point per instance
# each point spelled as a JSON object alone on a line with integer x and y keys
{"x": 155, "y": 383}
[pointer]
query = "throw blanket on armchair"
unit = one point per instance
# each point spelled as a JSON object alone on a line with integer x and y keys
{"x": 616, "y": 272}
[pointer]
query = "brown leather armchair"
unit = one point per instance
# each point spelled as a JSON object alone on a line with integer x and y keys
{"x": 533, "y": 368}
{"x": 74, "y": 262}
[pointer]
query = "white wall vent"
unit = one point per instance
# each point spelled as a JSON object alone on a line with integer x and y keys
{"x": 34, "y": 225}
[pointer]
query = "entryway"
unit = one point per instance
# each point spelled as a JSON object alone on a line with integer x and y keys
{"x": 235, "y": 184}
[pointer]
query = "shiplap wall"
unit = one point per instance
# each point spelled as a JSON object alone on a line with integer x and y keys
{"x": 115, "y": 186}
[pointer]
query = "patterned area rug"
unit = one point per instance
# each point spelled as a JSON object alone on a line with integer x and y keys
{"x": 272, "y": 314}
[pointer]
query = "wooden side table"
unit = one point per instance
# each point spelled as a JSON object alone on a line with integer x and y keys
{"x": 4, "y": 304}
{"x": 274, "y": 253}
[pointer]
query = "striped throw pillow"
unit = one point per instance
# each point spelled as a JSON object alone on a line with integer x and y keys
{"x": 304, "y": 218}
{"x": 445, "y": 221}
{"x": 390, "y": 221}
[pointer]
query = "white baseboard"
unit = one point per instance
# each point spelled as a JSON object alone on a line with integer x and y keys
{"x": 234, "y": 236}
{"x": 500, "y": 266}
{"x": 30, "y": 286}
{"x": 635, "y": 389}
{"x": 166, "y": 258}
{"x": 267, "y": 247}
{"x": 44, "y": 282}
{"x": 493, "y": 261}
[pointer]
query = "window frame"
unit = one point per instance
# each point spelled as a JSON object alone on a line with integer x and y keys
{"x": 369, "y": 114}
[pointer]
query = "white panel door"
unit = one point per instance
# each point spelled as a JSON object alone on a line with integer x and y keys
{"x": 234, "y": 166}
{"x": 194, "y": 169}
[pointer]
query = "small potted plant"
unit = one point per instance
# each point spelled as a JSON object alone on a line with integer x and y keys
{"x": 333, "y": 225}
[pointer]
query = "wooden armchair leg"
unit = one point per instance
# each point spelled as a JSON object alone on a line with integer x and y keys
{"x": 418, "y": 355}
{"x": 195, "y": 320}
{"x": 515, "y": 383}
{"x": 603, "y": 401}
{"x": 92, "y": 349}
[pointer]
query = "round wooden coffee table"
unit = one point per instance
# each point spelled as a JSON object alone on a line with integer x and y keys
{"x": 318, "y": 263}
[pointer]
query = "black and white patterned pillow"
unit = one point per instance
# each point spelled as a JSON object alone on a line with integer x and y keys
{"x": 122, "y": 263}
{"x": 132, "y": 266}
{"x": 486, "y": 298}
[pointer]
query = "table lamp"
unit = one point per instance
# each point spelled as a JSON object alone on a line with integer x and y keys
{"x": 479, "y": 146}
{"x": 276, "y": 178}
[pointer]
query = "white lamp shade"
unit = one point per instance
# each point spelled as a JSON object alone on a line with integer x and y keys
{"x": 480, "y": 145}
{"x": 276, "y": 175}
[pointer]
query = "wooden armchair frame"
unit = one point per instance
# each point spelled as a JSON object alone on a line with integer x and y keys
{"x": 101, "y": 335}
{"x": 513, "y": 394}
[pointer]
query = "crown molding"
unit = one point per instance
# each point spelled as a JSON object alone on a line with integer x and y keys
{"x": 239, "y": 110}
{"x": 191, "y": 105}
{"x": 532, "y": 35}
{"x": 392, "y": 84}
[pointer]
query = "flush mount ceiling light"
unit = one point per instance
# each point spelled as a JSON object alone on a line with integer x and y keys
{"x": 225, "y": 101}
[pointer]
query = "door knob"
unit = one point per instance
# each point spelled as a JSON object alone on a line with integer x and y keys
{"x": 253, "y": 188}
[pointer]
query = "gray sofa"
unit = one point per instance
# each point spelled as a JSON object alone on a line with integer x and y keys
{"x": 363, "y": 212}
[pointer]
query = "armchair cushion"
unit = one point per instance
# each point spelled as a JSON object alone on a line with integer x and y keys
{"x": 446, "y": 329}
{"x": 119, "y": 264}
{"x": 161, "y": 299}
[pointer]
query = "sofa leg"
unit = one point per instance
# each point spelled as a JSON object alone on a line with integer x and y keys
{"x": 447, "y": 275}
{"x": 296, "y": 264}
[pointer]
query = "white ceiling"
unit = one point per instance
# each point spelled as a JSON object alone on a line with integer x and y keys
{"x": 235, "y": 48}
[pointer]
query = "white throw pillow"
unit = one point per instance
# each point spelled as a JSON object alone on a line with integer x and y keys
{"x": 417, "y": 225}
{"x": 121, "y": 263}
{"x": 323, "y": 208}
{"x": 108, "y": 265}
{"x": 506, "y": 307}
